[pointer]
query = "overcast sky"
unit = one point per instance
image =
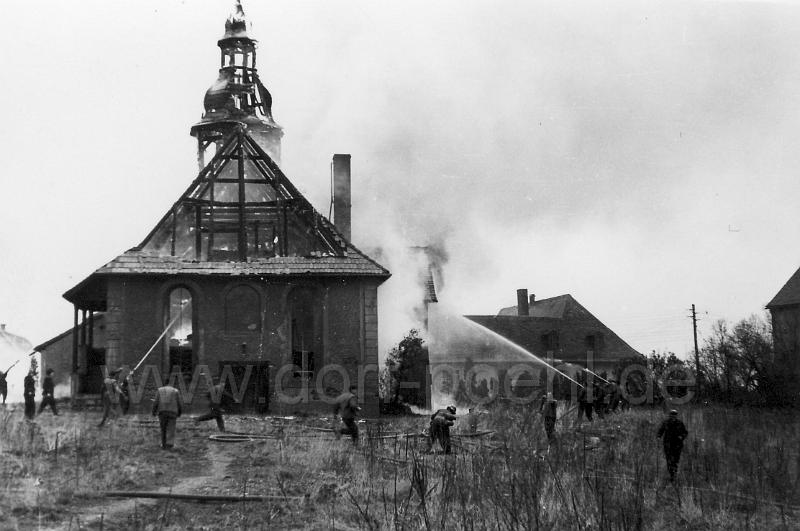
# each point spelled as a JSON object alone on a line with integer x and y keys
{"x": 639, "y": 156}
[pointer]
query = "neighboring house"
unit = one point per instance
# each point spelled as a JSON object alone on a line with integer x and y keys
{"x": 501, "y": 349}
{"x": 785, "y": 311}
{"x": 56, "y": 354}
{"x": 242, "y": 275}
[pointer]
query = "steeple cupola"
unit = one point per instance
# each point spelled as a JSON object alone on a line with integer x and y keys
{"x": 237, "y": 97}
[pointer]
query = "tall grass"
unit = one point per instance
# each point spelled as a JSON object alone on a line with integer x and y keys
{"x": 738, "y": 468}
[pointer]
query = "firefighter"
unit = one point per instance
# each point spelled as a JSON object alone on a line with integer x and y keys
{"x": 440, "y": 428}
{"x": 110, "y": 395}
{"x": 347, "y": 408}
{"x": 548, "y": 410}
{"x": 584, "y": 405}
{"x": 4, "y": 384}
{"x": 216, "y": 393}
{"x": 673, "y": 431}
{"x": 168, "y": 406}
{"x": 48, "y": 392}
{"x": 614, "y": 396}
{"x": 125, "y": 396}
{"x": 29, "y": 392}
{"x": 599, "y": 399}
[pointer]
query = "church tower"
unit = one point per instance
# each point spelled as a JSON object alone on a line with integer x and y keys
{"x": 237, "y": 97}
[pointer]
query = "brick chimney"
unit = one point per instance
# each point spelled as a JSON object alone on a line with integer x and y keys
{"x": 341, "y": 194}
{"x": 532, "y": 299}
{"x": 522, "y": 302}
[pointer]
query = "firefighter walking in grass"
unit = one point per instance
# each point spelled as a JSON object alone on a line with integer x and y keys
{"x": 440, "y": 428}
{"x": 346, "y": 408}
{"x": 548, "y": 409}
{"x": 110, "y": 395}
{"x": 673, "y": 431}
{"x": 48, "y": 393}
{"x": 168, "y": 406}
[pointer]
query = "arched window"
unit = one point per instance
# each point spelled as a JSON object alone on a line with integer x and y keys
{"x": 242, "y": 310}
{"x": 306, "y": 338}
{"x": 180, "y": 330}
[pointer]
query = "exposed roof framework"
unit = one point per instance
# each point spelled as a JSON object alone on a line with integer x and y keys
{"x": 242, "y": 207}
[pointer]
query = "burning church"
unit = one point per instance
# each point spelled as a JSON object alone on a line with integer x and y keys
{"x": 242, "y": 277}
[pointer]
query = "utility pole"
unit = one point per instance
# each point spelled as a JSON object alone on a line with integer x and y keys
{"x": 698, "y": 376}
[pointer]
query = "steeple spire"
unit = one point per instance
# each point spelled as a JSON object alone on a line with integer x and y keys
{"x": 236, "y": 25}
{"x": 237, "y": 97}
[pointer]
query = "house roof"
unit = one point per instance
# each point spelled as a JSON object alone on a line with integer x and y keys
{"x": 789, "y": 294}
{"x": 353, "y": 263}
{"x": 553, "y": 307}
{"x": 562, "y": 315}
{"x": 98, "y": 318}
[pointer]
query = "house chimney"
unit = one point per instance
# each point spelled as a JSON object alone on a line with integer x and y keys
{"x": 532, "y": 299}
{"x": 522, "y": 302}
{"x": 341, "y": 194}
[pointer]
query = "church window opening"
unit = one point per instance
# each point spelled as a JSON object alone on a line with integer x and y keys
{"x": 180, "y": 331}
{"x": 306, "y": 341}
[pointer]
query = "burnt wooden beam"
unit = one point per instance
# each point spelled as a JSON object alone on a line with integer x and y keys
{"x": 174, "y": 229}
{"x": 223, "y": 204}
{"x": 205, "y": 171}
{"x": 242, "y": 231}
{"x": 285, "y": 235}
{"x": 198, "y": 237}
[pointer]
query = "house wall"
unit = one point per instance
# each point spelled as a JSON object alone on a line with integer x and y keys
{"x": 58, "y": 356}
{"x": 786, "y": 336}
{"x": 346, "y": 317}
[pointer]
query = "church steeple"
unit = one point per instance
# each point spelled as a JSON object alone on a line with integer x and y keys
{"x": 237, "y": 96}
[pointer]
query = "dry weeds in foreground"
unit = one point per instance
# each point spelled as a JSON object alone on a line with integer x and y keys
{"x": 739, "y": 470}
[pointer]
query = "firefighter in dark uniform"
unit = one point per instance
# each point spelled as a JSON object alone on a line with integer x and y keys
{"x": 440, "y": 428}
{"x": 673, "y": 431}
{"x": 29, "y": 392}
{"x": 4, "y": 385}
{"x": 584, "y": 405}
{"x": 548, "y": 409}
{"x": 48, "y": 393}
{"x": 599, "y": 400}
{"x": 347, "y": 408}
{"x": 215, "y": 398}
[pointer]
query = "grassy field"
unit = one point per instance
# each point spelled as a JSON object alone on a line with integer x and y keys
{"x": 739, "y": 470}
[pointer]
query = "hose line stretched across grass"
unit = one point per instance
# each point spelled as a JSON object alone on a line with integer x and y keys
{"x": 231, "y": 437}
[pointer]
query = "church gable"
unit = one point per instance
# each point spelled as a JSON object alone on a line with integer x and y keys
{"x": 242, "y": 208}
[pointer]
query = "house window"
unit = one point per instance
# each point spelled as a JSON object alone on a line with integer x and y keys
{"x": 305, "y": 333}
{"x": 595, "y": 342}
{"x": 550, "y": 340}
{"x": 180, "y": 331}
{"x": 242, "y": 310}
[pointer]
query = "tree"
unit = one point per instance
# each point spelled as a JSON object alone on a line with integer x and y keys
{"x": 404, "y": 379}
{"x": 739, "y": 364}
